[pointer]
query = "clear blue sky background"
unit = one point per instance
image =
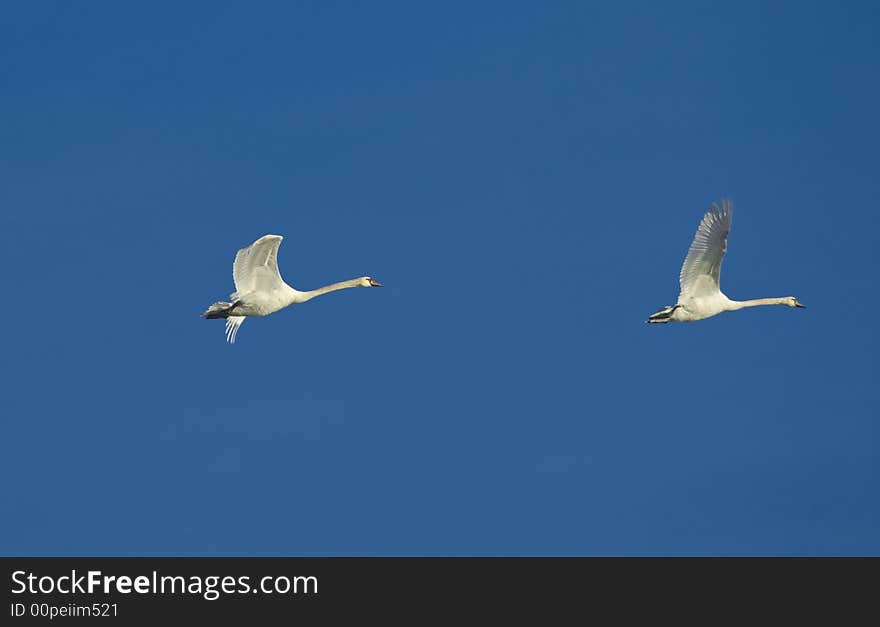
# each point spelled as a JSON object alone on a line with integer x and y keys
{"x": 525, "y": 179}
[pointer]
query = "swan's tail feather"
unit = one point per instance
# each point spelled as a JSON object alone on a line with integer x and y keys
{"x": 232, "y": 324}
{"x": 217, "y": 310}
{"x": 223, "y": 310}
{"x": 662, "y": 315}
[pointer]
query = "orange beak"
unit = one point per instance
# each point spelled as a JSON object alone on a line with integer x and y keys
{"x": 375, "y": 283}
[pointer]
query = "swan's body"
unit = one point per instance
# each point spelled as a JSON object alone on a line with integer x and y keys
{"x": 259, "y": 288}
{"x": 700, "y": 278}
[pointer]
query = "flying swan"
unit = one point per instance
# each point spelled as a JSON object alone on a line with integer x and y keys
{"x": 260, "y": 290}
{"x": 701, "y": 295}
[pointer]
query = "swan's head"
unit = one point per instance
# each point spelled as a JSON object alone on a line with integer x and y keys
{"x": 791, "y": 301}
{"x": 366, "y": 281}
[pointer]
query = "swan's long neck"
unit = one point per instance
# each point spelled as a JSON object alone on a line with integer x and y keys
{"x": 304, "y": 296}
{"x": 741, "y": 304}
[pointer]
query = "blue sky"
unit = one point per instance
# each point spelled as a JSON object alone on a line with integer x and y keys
{"x": 525, "y": 179}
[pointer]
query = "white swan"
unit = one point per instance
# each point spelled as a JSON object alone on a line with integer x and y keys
{"x": 259, "y": 289}
{"x": 701, "y": 295}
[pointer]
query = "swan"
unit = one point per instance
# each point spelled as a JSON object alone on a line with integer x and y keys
{"x": 260, "y": 290}
{"x": 701, "y": 296}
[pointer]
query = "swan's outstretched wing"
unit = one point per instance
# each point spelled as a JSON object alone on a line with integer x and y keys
{"x": 232, "y": 324}
{"x": 256, "y": 267}
{"x": 706, "y": 253}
